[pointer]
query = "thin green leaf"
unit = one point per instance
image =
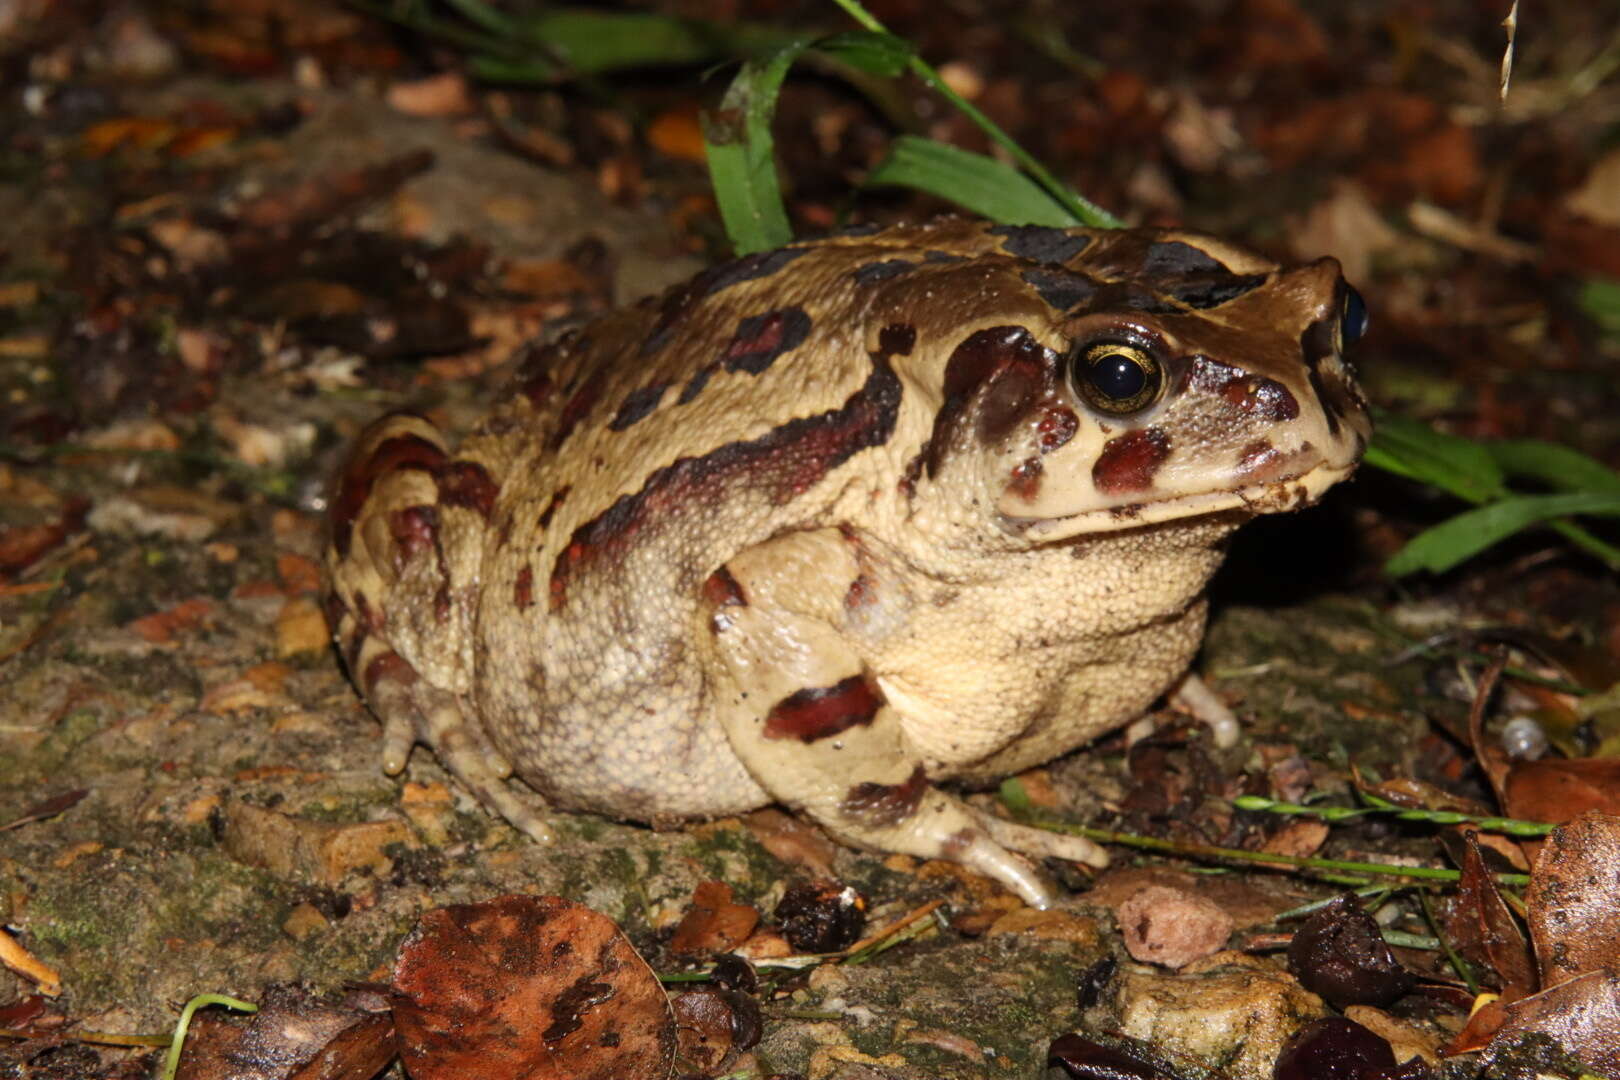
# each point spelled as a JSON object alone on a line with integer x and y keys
{"x": 497, "y": 69}
{"x": 1082, "y": 210}
{"x": 1414, "y": 450}
{"x": 981, "y": 184}
{"x": 872, "y": 52}
{"x": 1600, "y": 298}
{"x": 481, "y": 14}
{"x": 1559, "y": 467}
{"x": 741, "y": 152}
{"x": 1466, "y": 535}
{"x": 591, "y": 42}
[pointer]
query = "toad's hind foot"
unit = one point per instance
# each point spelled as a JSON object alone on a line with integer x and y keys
{"x": 412, "y": 711}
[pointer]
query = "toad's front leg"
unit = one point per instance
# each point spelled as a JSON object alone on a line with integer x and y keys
{"x": 812, "y": 724}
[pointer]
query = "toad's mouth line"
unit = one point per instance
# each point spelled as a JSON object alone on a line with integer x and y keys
{"x": 1271, "y": 497}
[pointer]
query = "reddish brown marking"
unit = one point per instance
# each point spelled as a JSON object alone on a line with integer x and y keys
{"x": 468, "y": 485}
{"x": 523, "y": 588}
{"x": 397, "y": 453}
{"x": 1265, "y": 398}
{"x": 369, "y": 617}
{"x": 1007, "y": 401}
{"x": 389, "y": 667}
{"x": 1259, "y": 457}
{"x": 1057, "y": 426}
{"x": 441, "y": 601}
{"x": 760, "y": 339}
{"x": 912, "y": 473}
{"x": 558, "y": 497}
{"x": 983, "y": 357}
{"x": 960, "y": 842}
{"x": 820, "y": 712}
{"x": 862, "y": 592}
{"x": 1130, "y": 461}
{"x": 885, "y": 805}
{"x": 721, "y": 589}
{"x": 578, "y": 407}
{"x": 781, "y": 464}
{"x": 414, "y": 529}
{"x": 1026, "y": 478}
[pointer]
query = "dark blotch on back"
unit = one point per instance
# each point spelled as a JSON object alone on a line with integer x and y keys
{"x": 1130, "y": 296}
{"x": 820, "y": 712}
{"x": 1130, "y": 461}
{"x": 874, "y": 272}
{"x": 678, "y": 302}
{"x": 749, "y": 268}
{"x": 1061, "y": 289}
{"x": 1040, "y": 243}
{"x": 1175, "y": 257}
{"x": 578, "y": 406}
{"x": 1209, "y": 292}
{"x": 897, "y": 339}
{"x": 760, "y": 339}
{"x": 637, "y": 404}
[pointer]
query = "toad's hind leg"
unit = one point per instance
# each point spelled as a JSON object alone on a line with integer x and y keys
{"x": 811, "y": 722}
{"x": 407, "y": 524}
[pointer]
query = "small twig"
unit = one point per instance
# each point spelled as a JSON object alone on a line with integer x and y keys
{"x": 96, "y": 1038}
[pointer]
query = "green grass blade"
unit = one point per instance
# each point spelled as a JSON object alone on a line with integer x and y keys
{"x": 742, "y": 159}
{"x": 1600, "y": 298}
{"x": 592, "y": 42}
{"x": 872, "y": 52}
{"x": 1466, "y": 535}
{"x": 482, "y": 15}
{"x": 972, "y": 181}
{"x": 1560, "y": 467}
{"x": 1415, "y": 450}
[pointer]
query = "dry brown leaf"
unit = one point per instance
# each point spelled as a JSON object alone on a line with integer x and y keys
{"x": 160, "y": 627}
{"x": 1574, "y": 899}
{"x": 1581, "y": 1015}
{"x": 1484, "y": 930}
{"x": 531, "y": 986}
{"x": 1558, "y": 790}
{"x": 291, "y": 1037}
{"x": 715, "y": 924}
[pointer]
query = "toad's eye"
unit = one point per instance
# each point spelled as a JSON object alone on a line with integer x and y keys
{"x": 1117, "y": 378}
{"x": 1353, "y": 322}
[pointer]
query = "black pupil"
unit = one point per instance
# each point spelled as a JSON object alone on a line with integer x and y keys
{"x": 1354, "y": 323}
{"x": 1117, "y": 376}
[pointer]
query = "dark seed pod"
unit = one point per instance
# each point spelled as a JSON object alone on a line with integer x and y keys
{"x": 1340, "y": 954}
{"x": 822, "y": 916}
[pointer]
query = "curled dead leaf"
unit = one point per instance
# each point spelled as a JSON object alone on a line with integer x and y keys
{"x": 531, "y": 986}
